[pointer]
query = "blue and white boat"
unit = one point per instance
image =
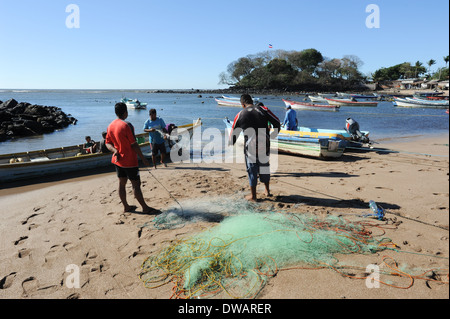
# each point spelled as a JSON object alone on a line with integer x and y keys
{"x": 311, "y": 144}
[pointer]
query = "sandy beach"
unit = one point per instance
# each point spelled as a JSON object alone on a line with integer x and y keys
{"x": 50, "y": 228}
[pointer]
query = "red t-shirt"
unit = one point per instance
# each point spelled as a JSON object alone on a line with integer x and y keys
{"x": 120, "y": 135}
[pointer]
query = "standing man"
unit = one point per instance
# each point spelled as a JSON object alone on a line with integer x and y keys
{"x": 120, "y": 140}
{"x": 156, "y": 127}
{"x": 254, "y": 121}
{"x": 290, "y": 119}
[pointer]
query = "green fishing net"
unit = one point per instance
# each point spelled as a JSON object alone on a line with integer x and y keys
{"x": 237, "y": 256}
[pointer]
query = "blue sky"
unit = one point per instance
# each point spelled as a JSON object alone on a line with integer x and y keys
{"x": 142, "y": 44}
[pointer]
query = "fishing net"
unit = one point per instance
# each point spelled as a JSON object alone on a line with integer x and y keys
{"x": 210, "y": 210}
{"x": 236, "y": 257}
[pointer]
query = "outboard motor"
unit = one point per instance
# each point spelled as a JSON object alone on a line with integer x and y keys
{"x": 352, "y": 128}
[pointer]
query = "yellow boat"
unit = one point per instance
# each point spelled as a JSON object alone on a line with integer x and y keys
{"x": 27, "y": 165}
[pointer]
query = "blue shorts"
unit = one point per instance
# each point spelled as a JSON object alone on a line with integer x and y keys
{"x": 257, "y": 168}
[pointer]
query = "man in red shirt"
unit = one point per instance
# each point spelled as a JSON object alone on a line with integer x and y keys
{"x": 120, "y": 140}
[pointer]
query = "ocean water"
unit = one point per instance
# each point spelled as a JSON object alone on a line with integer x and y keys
{"x": 94, "y": 110}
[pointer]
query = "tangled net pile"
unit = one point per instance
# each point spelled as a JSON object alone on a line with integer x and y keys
{"x": 236, "y": 257}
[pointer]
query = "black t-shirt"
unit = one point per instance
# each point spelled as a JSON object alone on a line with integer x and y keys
{"x": 253, "y": 121}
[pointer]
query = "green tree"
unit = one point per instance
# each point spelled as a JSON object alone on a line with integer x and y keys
{"x": 430, "y": 64}
{"x": 307, "y": 60}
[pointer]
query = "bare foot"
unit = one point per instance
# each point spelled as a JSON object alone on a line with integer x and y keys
{"x": 149, "y": 210}
{"x": 129, "y": 209}
{"x": 250, "y": 198}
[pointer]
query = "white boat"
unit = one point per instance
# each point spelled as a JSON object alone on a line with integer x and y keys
{"x": 401, "y": 102}
{"x": 33, "y": 164}
{"x": 428, "y": 102}
{"x": 134, "y": 104}
{"x": 311, "y": 106}
{"x": 319, "y": 99}
{"x": 235, "y": 98}
{"x": 351, "y": 102}
{"x": 225, "y": 102}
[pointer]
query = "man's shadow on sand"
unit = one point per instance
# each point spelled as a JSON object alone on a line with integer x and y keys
{"x": 327, "y": 202}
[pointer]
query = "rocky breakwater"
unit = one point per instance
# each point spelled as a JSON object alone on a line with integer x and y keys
{"x": 25, "y": 119}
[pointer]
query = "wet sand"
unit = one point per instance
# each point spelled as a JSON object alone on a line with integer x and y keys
{"x": 48, "y": 228}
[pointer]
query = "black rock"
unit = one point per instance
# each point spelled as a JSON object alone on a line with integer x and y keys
{"x": 9, "y": 104}
{"x": 24, "y": 119}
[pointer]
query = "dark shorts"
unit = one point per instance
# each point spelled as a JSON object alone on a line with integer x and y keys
{"x": 256, "y": 168}
{"x": 158, "y": 147}
{"x": 132, "y": 173}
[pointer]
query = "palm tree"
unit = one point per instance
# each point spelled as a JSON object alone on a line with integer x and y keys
{"x": 430, "y": 63}
{"x": 446, "y": 59}
{"x": 418, "y": 65}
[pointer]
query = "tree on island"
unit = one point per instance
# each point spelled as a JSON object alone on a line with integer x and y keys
{"x": 293, "y": 70}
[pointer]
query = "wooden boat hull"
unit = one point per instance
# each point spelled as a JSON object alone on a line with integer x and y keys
{"x": 65, "y": 159}
{"x": 310, "y": 106}
{"x": 343, "y": 102}
{"x": 299, "y": 143}
{"x": 329, "y": 133}
{"x": 313, "y": 147}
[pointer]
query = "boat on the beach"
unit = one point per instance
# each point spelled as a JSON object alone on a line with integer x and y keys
{"x": 311, "y": 106}
{"x": 134, "y": 104}
{"x": 404, "y": 102}
{"x": 428, "y": 94}
{"x": 27, "y": 165}
{"x": 310, "y": 144}
{"x": 351, "y": 102}
{"x": 352, "y": 140}
{"x": 298, "y": 143}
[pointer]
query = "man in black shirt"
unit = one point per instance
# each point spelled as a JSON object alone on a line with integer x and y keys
{"x": 253, "y": 121}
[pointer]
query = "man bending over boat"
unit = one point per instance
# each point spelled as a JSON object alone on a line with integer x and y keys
{"x": 253, "y": 121}
{"x": 290, "y": 119}
{"x": 120, "y": 140}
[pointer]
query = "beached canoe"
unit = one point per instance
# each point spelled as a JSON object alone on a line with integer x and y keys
{"x": 350, "y": 102}
{"x": 304, "y": 143}
{"x": 297, "y": 143}
{"x": 311, "y": 106}
{"x": 26, "y": 165}
{"x": 403, "y": 102}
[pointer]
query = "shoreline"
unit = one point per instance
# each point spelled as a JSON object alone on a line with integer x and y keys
{"x": 79, "y": 222}
{"x": 230, "y": 90}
